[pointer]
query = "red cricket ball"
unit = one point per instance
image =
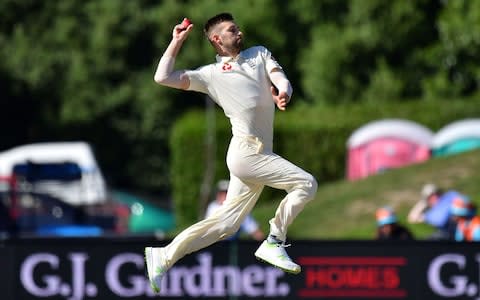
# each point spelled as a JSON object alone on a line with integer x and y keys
{"x": 185, "y": 23}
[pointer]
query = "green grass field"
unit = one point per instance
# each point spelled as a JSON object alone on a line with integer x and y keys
{"x": 346, "y": 210}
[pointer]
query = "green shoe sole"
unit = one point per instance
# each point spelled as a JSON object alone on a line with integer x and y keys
{"x": 278, "y": 267}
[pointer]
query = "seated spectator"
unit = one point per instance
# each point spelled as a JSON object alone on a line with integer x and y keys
{"x": 463, "y": 211}
{"x": 249, "y": 225}
{"x": 434, "y": 209}
{"x": 388, "y": 227}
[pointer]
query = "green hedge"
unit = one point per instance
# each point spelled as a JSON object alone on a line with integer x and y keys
{"x": 312, "y": 137}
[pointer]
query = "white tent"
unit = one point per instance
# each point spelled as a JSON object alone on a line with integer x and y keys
{"x": 467, "y": 128}
{"x": 397, "y": 128}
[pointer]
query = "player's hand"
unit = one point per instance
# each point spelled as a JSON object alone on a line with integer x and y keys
{"x": 180, "y": 31}
{"x": 281, "y": 99}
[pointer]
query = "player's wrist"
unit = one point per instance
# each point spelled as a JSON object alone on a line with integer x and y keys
{"x": 286, "y": 88}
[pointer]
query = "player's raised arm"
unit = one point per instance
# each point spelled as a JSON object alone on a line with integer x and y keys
{"x": 165, "y": 75}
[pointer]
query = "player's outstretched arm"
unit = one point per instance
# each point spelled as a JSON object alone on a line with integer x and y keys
{"x": 164, "y": 74}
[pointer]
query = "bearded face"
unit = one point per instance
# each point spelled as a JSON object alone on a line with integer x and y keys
{"x": 230, "y": 37}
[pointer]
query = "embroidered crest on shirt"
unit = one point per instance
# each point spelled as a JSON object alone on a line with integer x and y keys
{"x": 226, "y": 67}
{"x": 251, "y": 62}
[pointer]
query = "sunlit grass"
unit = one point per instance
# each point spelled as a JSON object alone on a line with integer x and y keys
{"x": 345, "y": 210}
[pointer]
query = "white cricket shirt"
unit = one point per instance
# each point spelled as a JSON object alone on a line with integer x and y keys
{"x": 241, "y": 86}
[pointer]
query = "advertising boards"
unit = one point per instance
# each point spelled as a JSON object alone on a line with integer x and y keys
{"x": 77, "y": 269}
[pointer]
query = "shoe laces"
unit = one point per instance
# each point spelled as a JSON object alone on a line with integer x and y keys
{"x": 283, "y": 254}
{"x": 278, "y": 242}
{"x": 282, "y": 245}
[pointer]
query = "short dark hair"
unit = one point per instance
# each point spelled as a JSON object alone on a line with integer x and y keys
{"x": 217, "y": 19}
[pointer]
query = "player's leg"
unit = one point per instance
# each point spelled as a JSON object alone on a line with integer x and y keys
{"x": 241, "y": 197}
{"x": 300, "y": 186}
{"x": 275, "y": 171}
{"x": 270, "y": 169}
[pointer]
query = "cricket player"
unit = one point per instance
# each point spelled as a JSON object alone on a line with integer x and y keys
{"x": 240, "y": 82}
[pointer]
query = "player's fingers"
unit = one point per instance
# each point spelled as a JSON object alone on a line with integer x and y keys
{"x": 281, "y": 105}
{"x": 181, "y": 32}
{"x": 178, "y": 28}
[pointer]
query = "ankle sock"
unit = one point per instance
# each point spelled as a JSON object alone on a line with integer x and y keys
{"x": 273, "y": 239}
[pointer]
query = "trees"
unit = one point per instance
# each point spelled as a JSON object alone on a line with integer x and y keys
{"x": 369, "y": 51}
{"x": 75, "y": 69}
{"x": 453, "y": 59}
{"x": 86, "y": 68}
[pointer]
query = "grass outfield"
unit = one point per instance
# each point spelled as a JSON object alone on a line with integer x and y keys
{"x": 345, "y": 210}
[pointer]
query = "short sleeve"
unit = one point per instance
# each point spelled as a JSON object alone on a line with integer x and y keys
{"x": 199, "y": 79}
{"x": 270, "y": 62}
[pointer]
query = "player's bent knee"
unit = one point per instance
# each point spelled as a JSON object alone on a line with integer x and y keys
{"x": 311, "y": 187}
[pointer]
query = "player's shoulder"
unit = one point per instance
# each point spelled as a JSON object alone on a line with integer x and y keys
{"x": 204, "y": 70}
{"x": 254, "y": 51}
{"x": 207, "y": 66}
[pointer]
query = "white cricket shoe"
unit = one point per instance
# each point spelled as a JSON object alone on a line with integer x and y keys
{"x": 155, "y": 259}
{"x": 275, "y": 254}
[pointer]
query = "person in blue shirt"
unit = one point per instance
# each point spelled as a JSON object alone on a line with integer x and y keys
{"x": 434, "y": 209}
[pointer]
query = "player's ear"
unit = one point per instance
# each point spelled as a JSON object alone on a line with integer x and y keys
{"x": 216, "y": 39}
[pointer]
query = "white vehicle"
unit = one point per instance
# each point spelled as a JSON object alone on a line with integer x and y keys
{"x": 88, "y": 188}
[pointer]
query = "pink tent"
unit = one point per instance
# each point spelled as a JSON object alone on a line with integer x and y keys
{"x": 386, "y": 144}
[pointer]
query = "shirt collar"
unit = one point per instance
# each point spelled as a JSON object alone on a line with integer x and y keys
{"x": 227, "y": 59}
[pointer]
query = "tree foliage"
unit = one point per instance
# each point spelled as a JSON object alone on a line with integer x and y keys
{"x": 74, "y": 69}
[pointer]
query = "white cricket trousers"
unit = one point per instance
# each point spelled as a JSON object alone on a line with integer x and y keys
{"x": 251, "y": 168}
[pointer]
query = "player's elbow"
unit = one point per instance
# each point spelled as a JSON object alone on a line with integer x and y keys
{"x": 176, "y": 79}
{"x": 160, "y": 78}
